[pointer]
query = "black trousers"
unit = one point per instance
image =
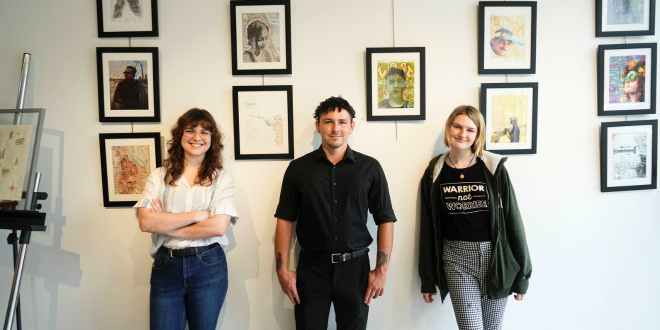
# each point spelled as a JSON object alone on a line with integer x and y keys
{"x": 321, "y": 283}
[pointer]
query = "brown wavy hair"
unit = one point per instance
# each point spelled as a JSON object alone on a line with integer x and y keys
{"x": 175, "y": 161}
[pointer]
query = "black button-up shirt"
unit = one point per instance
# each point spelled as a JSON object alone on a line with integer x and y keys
{"x": 330, "y": 201}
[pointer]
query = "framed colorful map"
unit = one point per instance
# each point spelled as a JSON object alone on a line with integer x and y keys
{"x": 510, "y": 111}
{"x": 127, "y": 159}
{"x": 263, "y": 122}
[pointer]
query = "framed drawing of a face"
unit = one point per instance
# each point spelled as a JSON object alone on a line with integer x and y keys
{"x": 628, "y": 155}
{"x": 128, "y": 84}
{"x": 618, "y": 18}
{"x": 396, "y": 84}
{"x": 127, "y": 159}
{"x": 510, "y": 111}
{"x": 626, "y": 79}
{"x": 507, "y": 37}
{"x": 261, "y": 37}
{"x": 127, "y": 18}
{"x": 263, "y": 122}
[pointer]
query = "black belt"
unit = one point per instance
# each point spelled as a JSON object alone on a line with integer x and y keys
{"x": 187, "y": 252}
{"x": 337, "y": 258}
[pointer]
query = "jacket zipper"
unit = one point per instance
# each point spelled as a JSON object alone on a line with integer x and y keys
{"x": 435, "y": 236}
{"x": 497, "y": 239}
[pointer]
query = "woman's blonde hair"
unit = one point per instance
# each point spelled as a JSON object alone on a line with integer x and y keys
{"x": 477, "y": 118}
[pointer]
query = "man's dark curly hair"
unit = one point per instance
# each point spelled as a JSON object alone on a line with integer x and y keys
{"x": 331, "y": 104}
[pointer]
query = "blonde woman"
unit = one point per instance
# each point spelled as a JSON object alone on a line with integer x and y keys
{"x": 472, "y": 241}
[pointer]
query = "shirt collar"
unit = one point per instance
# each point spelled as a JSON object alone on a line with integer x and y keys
{"x": 320, "y": 154}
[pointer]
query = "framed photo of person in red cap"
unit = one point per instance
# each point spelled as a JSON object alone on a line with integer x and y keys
{"x": 507, "y": 37}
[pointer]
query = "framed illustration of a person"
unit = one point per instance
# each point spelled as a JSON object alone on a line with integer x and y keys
{"x": 396, "y": 84}
{"x": 633, "y": 81}
{"x": 503, "y": 40}
{"x": 258, "y": 40}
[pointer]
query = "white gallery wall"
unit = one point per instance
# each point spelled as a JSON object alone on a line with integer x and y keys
{"x": 595, "y": 255}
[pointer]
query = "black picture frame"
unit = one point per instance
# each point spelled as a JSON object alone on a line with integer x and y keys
{"x": 622, "y": 33}
{"x": 150, "y": 28}
{"x": 373, "y": 77}
{"x": 645, "y": 107}
{"x": 481, "y": 32}
{"x": 522, "y": 148}
{"x": 153, "y": 139}
{"x": 629, "y": 164}
{"x": 286, "y": 151}
{"x": 149, "y": 86}
{"x": 247, "y": 68}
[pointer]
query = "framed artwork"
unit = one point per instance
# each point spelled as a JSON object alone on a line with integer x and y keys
{"x": 396, "y": 85}
{"x": 626, "y": 79}
{"x": 507, "y": 37}
{"x": 510, "y": 111}
{"x": 261, "y": 37}
{"x": 127, "y": 159}
{"x": 628, "y": 155}
{"x": 128, "y": 83}
{"x": 263, "y": 122}
{"x": 127, "y": 18}
{"x": 618, "y": 18}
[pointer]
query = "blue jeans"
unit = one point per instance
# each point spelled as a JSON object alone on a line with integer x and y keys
{"x": 192, "y": 288}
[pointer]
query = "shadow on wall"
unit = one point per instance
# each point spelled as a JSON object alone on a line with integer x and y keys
{"x": 243, "y": 265}
{"x": 56, "y": 266}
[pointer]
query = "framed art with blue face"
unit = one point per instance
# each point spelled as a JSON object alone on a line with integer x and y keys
{"x": 626, "y": 79}
{"x": 507, "y": 37}
{"x": 396, "y": 84}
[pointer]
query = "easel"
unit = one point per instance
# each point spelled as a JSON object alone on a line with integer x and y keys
{"x": 28, "y": 219}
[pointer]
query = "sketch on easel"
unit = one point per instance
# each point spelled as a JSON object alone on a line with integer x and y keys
{"x": 14, "y": 150}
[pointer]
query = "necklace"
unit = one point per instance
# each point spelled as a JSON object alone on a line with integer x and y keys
{"x": 464, "y": 169}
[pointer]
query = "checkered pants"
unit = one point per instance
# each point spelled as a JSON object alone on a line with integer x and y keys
{"x": 466, "y": 267}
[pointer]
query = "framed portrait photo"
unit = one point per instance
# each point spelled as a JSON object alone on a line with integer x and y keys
{"x": 263, "y": 122}
{"x": 628, "y": 155}
{"x": 396, "y": 85}
{"x": 261, "y": 37}
{"x": 618, "y": 18}
{"x": 507, "y": 37}
{"x": 510, "y": 111}
{"x": 626, "y": 79}
{"x": 127, "y": 159}
{"x": 127, "y": 18}
{"x": 128, "y": 84}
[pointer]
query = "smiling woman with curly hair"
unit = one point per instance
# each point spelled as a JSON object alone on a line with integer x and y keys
{"x": 633, "y": 82}
{"x": 188, "y": 206}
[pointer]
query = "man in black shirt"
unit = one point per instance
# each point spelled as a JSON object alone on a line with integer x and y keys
{"x": 328, "y": 192}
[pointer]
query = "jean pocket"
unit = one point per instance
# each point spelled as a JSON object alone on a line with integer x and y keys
{"x": 213, "y": 256}
{"x": 159, "y": 262}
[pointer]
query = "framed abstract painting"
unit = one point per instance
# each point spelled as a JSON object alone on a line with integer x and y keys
{"x": 618, "y": 18}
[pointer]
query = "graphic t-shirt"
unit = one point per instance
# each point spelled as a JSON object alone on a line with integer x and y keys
{"x": 464, "y": 213}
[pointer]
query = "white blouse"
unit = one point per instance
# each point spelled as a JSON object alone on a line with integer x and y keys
{"x": 218, "y": 198}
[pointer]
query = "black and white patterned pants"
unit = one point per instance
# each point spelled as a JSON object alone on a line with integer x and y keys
{"x": 466, "y": 267}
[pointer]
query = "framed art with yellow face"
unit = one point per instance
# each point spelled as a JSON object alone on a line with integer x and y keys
{"x": 396, "y": 84}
